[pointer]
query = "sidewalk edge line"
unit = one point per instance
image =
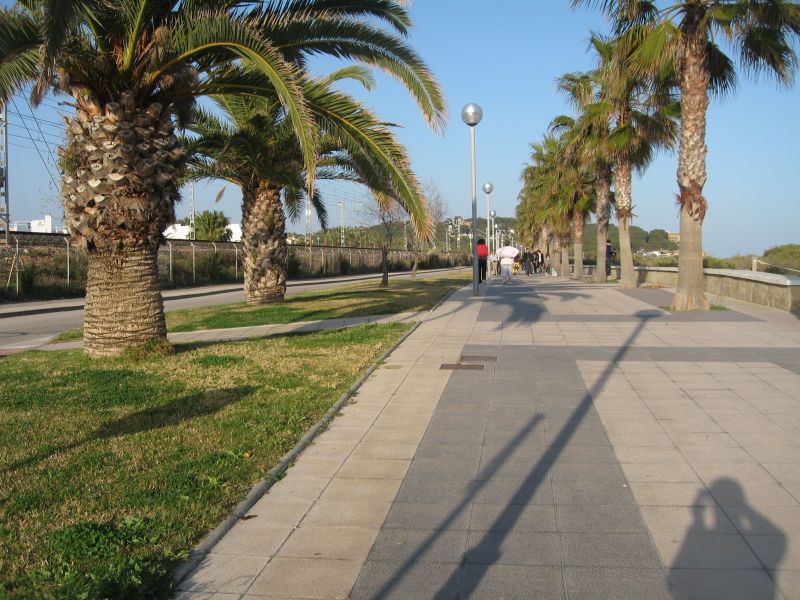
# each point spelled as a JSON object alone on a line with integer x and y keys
{"x": 200, "y": 551}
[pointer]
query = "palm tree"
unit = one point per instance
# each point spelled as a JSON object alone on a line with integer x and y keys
{"x": 587, "y": 140}
{"x": 682, "y": 35}
{"x": 544, "y": 207}
{"x": 640, "y": 114}
{"x": 133, "y": 69}
{"x": 212, "y": 225}
{"x": 254, "y": 147}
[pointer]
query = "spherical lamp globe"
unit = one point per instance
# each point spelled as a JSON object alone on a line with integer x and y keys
{"x": 471, "y": 114}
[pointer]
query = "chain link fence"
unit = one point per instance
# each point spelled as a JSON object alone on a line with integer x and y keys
{"x": 36, "y": 266}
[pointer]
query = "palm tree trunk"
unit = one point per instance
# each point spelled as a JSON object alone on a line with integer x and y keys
{"x": 264, "y": 239}
{"x": 623, "y": 171}
{"x": 564, "y": 256}
{"x": 689, "y": 294}
{"x": 384, "y": 266}
{"x": 123, "y": 306}
{"x": 544, "y": 242}
{"x": 121, "y": 163}
{"x": 578, "y": 226}
{"x": 603, "y": 188}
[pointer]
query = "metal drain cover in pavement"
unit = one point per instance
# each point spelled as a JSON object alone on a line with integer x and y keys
{"x": 472, "y": 358}
{"x": 461, "y": 367}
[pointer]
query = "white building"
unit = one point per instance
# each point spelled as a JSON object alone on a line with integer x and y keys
{"x": 44, "y": 225}
{"x": 178, "y": 232}
{"x": 236, "y": 232}
{"x": 183, "y": 232}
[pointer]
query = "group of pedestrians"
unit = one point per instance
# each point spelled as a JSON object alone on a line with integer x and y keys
{"x": 505, "y": 258}
{"x": 536, "y": 262}
{"x": 503, "y": 261}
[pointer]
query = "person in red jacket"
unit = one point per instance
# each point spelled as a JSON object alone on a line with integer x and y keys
{"x": 483, "y": 255}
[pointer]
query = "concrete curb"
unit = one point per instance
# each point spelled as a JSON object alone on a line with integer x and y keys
{"x": 259, "y": 489}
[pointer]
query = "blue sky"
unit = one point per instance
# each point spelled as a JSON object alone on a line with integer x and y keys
{"x": 506, "y": 56}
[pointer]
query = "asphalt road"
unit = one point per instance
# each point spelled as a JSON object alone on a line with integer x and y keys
{"x": 47, "y": 319}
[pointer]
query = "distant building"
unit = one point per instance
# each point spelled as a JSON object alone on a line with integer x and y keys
{"x": 178, "y": 232}
{"x": 44, "y": 225}
{"x": 674, "y": 237}
{"x": 184, "y": 232}
{"x": 236, "y": 232}
{"x": 20, "y": 226}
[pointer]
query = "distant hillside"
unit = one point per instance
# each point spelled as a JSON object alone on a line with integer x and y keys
{"x": 374, "y": 235}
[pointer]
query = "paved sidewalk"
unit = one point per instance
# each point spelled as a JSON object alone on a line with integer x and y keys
{"x": 258, "y": 331}
{"x": 590, "y": 445}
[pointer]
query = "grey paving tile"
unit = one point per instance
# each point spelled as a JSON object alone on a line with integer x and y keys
{"x": 609, "y": 550}
{"x": 600, "y": 519}
{"x": 718, "y": 584}
{"x": 432, "y": 490}
{"x": 513, "y": 548}
{"x": 452, "y": 469}
{"x": 417, "y": 545}
{"x": 592, "y": 583}
{"x": 591, "y": 492}
{"x": 492, "y": 582}
{"x": 576, "y": 471}
{"x": 514, "y": 491}
{"x": 439, "y": 515}
{"x": 401, "y": 581}
{"x": 507, "y": 517}
{"x": 448, "y": 452}
{"x": 695, "y": 549}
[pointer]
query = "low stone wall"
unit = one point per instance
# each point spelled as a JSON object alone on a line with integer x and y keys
{"x": 766, "y": 289}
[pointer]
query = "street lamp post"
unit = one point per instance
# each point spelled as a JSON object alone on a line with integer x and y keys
{"x": 487, "y": 189}
{"x": 493, "y": 230}
{"x": 472, "y": 114}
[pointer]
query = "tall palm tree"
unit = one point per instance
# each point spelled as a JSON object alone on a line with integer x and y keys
{"x": 253, "y": 146}
{"x": 683, "y": 35}
{"x": 545, "y": 199}
{"x": 133, "y": 69}
{"x": 640, "y": 115}
{"x": 587, "y": 140}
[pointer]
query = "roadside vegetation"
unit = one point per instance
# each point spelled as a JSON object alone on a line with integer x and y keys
{"x": 111, "y": 471}
{"x": 357, "y": 300}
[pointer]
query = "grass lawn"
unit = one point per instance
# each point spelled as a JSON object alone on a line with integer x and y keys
{"x": 112, "y": 470}
{"x": 402, "y": 295}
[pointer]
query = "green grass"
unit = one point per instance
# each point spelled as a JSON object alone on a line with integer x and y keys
{"x": 70, "y": 335}
{"x": 357, "y": 300}
{"x": 668, "y": 308}
{"x": 112, "y": 470}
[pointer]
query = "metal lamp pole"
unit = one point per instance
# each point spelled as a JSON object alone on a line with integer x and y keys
{"x": 487, "y": 189}
{"x": 472, "y": 114}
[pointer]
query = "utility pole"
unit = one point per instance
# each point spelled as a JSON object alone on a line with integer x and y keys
{"x": 5, "y": 216}
{"x": 308, "y": 221}
{"x": 191, "y": 211}
{"x": 341, "y": 223}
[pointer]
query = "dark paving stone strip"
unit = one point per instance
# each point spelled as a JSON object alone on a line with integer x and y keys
{"x": 520, "y": 496}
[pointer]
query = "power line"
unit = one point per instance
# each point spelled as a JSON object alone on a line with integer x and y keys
{"x": 52, "y": 156}
{"x": 60, "y": 140}
{"x": 44, "y": 162}
{"x": 25, "y": 137}
{"x": 55, "y": 124}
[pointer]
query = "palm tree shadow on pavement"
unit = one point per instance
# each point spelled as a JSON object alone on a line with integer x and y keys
{"x": 180, "y": 410}
{"x": 491, "y": 542}
{"x": 699, "y": 571}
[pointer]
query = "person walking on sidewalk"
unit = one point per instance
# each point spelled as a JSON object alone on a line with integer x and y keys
{"x": 483, "y": 255}
{"x": 507, "y": 255}
{"x": 610, "y": 254}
